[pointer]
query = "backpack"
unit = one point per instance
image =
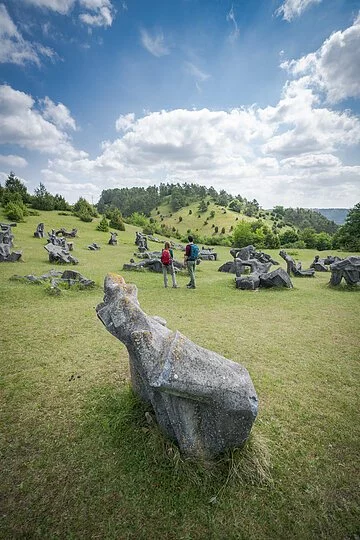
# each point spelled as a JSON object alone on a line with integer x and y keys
{"x": 194, "y": 252}
{"x": 165, "y": 257}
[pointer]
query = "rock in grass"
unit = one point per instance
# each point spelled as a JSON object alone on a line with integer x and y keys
{"x": 203, "y": 401}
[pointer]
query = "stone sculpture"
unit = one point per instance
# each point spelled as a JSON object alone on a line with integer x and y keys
{"x": 6, "y": 243}
{"x": 295, "y": 268}
{"x": 318, "y": 264}
{"x": 201, "y": 400}
{"x": 154, "y": 265}
{"x": 113, "y": 239}
{"x": 67, "y": 234}
{"x": 244, "y": 253}
{"x": 207, "y": 254}
{"x": 94, "y": 247}
{"x": 6, "y": 235}
{"x": 277, "y": 278}
{"x": 348, "y": 268}
{"x": 58, "y": 254}
{"x": 141, "y": 241}
{"x": 6, "y": 255}
{"x": 229, "y": 267}
{"x": 40, "y": 231}
{"x": 68, "y": 277}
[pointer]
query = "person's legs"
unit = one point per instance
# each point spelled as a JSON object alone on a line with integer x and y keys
{"x": 191, "y": 270}
{"x": 164, "y": 271}
{"x": 173, "y": 276}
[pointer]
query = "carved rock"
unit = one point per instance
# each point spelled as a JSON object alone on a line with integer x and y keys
{"x": 201, "y": 400}
{"x": 348, "y": 268}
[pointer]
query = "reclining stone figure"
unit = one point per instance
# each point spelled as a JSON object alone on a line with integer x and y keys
{"x": 348, "y": 268}
{"x": 58, "y": 254}
{"x": 6, "y": 255}
{"x": 67, "y": 234}
{"x": 293, "y": 268}
{"x": 6, "y": 235}
{"x": 318, "y": 264}
{"x": 201, "y": 400}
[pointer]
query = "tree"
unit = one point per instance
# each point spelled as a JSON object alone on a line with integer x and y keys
{"x": 243, "y": 234}
{"x": 42, "y": 199}
{"x": 103, "y": 225}
{"x": 14, "y": 185}
{"x": 116, "y": 220}
{"x": 308, "y": 236}
{"x": 348, "y": 236}
{"x": 288, "y": 237}
{"x": 202, "y": 206}
{"x": 14, "y": 212}
{"x": 323, "y": 241}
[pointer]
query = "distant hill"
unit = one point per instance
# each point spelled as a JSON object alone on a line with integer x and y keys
{"x": 338, "y": 215}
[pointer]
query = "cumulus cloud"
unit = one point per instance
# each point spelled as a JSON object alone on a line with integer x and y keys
{"x": 291, "y": 9}
{"x": 335, "y": 67}
{"x": 124, "y": 122}
{"x": 13, "y": 162}
{"x": 248, "y": 150}
{"x": 57, "y": 114}
{"x": 14, "y": 48}
{"x": 155, "y": 44}
{"x": 23, "y": 124}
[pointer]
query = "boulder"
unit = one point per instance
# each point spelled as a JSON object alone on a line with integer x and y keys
{"x": 276, "y": 278}
{"x": 203, "y": 401}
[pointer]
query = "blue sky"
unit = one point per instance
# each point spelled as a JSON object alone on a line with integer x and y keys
{"x": 258, "y": 97}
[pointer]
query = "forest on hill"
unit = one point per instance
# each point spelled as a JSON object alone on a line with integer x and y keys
{"x": 176, "y": 210}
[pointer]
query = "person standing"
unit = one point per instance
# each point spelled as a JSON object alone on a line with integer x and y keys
{"x": 167, "y": 257}
{"x": 191, "y": 254}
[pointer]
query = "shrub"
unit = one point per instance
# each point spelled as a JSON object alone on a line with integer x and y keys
{"x": 180, "y": 219}
{"x": 84, "y": 215}
{"x": 116, "y": 220}
{"x": 14, "y": 212}
{"x": 190, "y": 212}
{"x": 103, "y": 225}
{"x": 216, "y": 229}
{"x": 223, "y": 230}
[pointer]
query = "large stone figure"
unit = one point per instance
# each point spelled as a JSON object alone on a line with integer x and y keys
{"x": 348, "y": 268}
{"x": 293, "y": 268}
{"x": 201, "y": 400}
{"x": 40, "y": 231}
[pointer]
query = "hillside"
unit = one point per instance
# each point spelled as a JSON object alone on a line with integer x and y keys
{"x": 216, "y": 222}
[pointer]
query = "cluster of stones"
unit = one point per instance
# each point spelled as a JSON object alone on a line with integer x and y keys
{"x": 347, "y": 269}
{"x": 295, "y": 268}
{"x": 150, "y": 263}
{"x": 322, "y": 265}
{"x": 201, "y": 400}
{"x": 7, "y": 242}
{"x": 207, "y": 254}
{"x": 58, "y": 279}
{"x": 259, "y": 264}
{"x": 59, "y": 254}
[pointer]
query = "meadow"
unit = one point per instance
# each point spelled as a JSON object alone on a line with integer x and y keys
{"x": 79, "y": 459}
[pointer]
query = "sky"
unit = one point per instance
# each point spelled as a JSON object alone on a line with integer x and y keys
{"x": 257, "y": 97}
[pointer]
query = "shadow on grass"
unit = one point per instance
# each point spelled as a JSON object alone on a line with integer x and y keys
{"x": 126, "y": 427}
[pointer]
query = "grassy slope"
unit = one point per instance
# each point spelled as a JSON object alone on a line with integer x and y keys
{"x": 195, "y": 223}
{"x": 80, "y": 461}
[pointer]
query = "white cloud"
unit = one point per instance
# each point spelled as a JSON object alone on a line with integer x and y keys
{"x": 335, "y": 67}
{"x": 98, "y": 12}
{"x": 13, "y": 162}
{"x": 250, "y": 151}
{"x": 57, "y": 114}
{"x": 124, "y": 122}
{"x": 22, "y": 124}
{"x": 154, "y": 44}
{"x": 60, "y": 6}
{"x": 14, "y": 48}
{"x": 231, "y": 18}
{"x": 294, "y": 8}
{"x": 101, "y": 12}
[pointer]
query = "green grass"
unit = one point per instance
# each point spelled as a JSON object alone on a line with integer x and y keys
{"x": 79, "y": 459}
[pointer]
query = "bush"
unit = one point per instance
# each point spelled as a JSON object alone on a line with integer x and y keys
{"x": 116, "y": 220}
{"x": 103, "y": 225}
{"x": 14, "y": 212}
{"x": 84, "y": 216}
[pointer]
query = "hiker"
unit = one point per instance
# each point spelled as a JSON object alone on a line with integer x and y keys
{"x": 167, "y": 257}
{"x": 191, "y": 254}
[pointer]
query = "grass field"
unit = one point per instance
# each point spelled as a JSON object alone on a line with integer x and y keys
{"x": 79, "y": 459}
